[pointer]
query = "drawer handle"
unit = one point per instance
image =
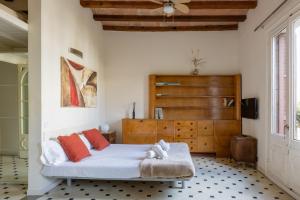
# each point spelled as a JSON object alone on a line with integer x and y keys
{"x": 191, "y": 129}
{"x": 178, "y": 135}
{"x": 178, "y": 123}
{"x": 191, "y": 135}
{"x": 191, "y": 142}
{"x": 178, "y": 129}
{"x": 192, "y": 123}
{"x": 191, "y": 147}
{"x": 205, "y": 128}
{"x": 141, "y": 120}
{"x": 205, "y": 144}
{"x": 165, "y": 127}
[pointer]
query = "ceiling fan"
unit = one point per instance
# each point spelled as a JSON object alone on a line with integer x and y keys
{"x": 169, "y": 6}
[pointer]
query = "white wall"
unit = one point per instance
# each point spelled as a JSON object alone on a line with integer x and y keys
{"x": 131, "y": 57}
{"x": 9, "y": 113}
{"x": 63, "y": 24}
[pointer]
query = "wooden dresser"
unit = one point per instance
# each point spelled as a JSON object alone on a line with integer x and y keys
{"x": 202, "y": 111}
{"x": 202, "y": 136}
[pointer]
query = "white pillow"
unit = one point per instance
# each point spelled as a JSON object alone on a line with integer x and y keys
{"x": 53, "y": 153}
{"x": 85, "y": 141}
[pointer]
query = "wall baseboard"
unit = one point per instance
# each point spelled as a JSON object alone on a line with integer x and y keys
{"x": 280, "y": 185}
{"x": 43, "y": 190}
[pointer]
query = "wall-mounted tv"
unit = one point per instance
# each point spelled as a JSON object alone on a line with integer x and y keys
{"x": 250, "y": 108}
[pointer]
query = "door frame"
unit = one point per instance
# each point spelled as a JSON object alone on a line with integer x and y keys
{"x": 23, "y": 138}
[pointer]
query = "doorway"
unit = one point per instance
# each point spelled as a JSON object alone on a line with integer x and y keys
{"x": 284, "y": 140}
{"x": 13, "y": 123}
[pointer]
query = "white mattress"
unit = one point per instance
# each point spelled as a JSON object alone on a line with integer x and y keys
{"x": 117, "y": 161}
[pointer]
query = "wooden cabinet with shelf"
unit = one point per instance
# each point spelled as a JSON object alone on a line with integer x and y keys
{"x": 202, "y": 111}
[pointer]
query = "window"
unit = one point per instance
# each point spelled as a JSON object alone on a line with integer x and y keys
{"x": 280, "y": 82}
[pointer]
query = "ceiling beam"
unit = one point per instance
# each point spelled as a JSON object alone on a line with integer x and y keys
{"x": 246, "y": 4}
{"x": 146, "y": 18}
{"x": 171, "y": 28}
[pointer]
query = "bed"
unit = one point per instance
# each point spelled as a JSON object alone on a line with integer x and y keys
{"x": 127, "y": 162}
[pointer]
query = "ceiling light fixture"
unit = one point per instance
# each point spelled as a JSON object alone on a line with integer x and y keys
{"x": 169, "y": 8}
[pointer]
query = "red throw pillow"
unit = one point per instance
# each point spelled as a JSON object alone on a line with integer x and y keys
{"x": 74, "y": 147}
{"x": 97, "y": 140}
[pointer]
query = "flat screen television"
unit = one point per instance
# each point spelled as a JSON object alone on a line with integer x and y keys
{"x": 250, "y": 108}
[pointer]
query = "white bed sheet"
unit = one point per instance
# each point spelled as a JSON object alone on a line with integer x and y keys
{"x": 117, "y": 161}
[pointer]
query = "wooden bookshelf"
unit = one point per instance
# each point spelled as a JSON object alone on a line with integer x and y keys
{"x": 188, "y": 97}
{"x": 195, "y": 110}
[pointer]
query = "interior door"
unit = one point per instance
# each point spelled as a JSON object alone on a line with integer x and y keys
{"x": 280, "y": 107}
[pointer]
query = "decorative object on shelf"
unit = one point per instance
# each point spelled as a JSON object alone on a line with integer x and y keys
{"x": 133, "y": 111}
{"x": 228, "y": 102}
{"x": 159, "y": 113}
{"x": 105, "y": 128}
{"x": 78, "y": 85}
{"x": 196, "y": 61}
{"x": 225, "y": 102}
{"x": 167, "y": 84}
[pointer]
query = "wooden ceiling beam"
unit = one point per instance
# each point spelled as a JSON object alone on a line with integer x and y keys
{"x": 246, "y": 4}
{"x": 171, "y": 28}
{"x": 155, "y": 18}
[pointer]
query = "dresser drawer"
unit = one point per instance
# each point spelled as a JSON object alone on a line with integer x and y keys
{"x": 206, "y": 144}
{"x": 185, "y": 129}
{"x": 165, "y": 127}
{"x": 185, "y": 124}
{"x": 205, "y": 128}
{"x": 190, "y": 142}
{"x": 144, "y": 127}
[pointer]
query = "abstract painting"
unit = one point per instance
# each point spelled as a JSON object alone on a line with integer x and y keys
{"x": 78, "y": 85}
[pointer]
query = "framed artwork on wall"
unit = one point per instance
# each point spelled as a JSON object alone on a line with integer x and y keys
{"x": 78, "y": 85}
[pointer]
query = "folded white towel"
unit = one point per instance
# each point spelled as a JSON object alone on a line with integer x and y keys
{"x": 159, "y": 151}
{"x": 165, "y": 146}
{"x": 151, "y": 154}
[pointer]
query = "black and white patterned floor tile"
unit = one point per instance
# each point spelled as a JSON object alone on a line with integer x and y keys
{"x": 218, "y": 179}
{"x": 12, "y": 192}
{"x": 13, "y": 170}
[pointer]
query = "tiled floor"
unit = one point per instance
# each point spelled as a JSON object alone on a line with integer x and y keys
{"x": 13, "y": 170}
{"x": 215, "y": 179}
{"x": 12, "y": 192}
{"x": 13, "y": 177}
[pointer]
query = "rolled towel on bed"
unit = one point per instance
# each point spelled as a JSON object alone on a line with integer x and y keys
{"x": 159, "y": 151}
{"x": 165, "y": 146}
{"x": 151, "y": 154}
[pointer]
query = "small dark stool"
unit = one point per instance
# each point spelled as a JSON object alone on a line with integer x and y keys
{"x": 244, "y": 149}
